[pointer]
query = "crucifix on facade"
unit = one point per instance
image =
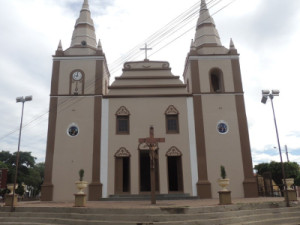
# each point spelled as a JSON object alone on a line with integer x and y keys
{"x": 152, "y": 143}
{"x": 146, "y": 50}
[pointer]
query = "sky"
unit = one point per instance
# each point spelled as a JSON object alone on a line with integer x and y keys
{"x": 265, "y": 32}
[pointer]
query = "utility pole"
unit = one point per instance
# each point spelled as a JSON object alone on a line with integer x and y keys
{"x": 287, "y": 153}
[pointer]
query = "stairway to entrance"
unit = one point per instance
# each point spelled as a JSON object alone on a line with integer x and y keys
{"x": 237, "y": 214}
{"x": 174, "y": 196}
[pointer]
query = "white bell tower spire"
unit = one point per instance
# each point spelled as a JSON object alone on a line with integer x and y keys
{"x": 84, "y": 32}
{"x": 206, "y": 32}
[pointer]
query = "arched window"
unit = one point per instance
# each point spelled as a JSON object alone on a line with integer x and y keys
{"x": 216, "y": 81}
{"x": 172, "y": 123}
{"x": 122, "y": 120}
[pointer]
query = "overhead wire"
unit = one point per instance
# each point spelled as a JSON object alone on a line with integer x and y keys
{"x": 155, "y": 39}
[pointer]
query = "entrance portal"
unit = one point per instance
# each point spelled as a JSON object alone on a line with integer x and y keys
{"x": 122, "y": 171}
{"x": 145, "y": 182}
{"x": 175, "y": 176}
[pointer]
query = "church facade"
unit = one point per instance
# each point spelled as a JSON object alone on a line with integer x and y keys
{"x": 98, "y": 127}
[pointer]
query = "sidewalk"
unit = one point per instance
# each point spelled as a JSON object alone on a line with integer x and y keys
{"x": 146, "y": 204}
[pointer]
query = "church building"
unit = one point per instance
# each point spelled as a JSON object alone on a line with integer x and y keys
{"x": 200, "y": 123}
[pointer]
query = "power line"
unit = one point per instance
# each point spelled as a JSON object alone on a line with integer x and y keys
{"x": 155, "y": 39}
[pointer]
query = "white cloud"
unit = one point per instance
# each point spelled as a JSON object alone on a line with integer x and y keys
{"x": 265, "y": 32}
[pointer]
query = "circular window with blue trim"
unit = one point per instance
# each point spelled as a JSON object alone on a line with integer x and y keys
{"x": 222, "y": 127}
{"x": 73, "y": 130}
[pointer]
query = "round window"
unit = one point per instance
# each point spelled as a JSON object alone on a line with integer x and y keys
{"x": 73, "y": 131}
{"x": 222, "y": 127}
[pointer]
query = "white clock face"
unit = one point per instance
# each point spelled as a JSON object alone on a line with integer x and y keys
{"x": 77, "y": 75}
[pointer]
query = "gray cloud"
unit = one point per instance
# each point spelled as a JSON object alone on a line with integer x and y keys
{"x": 97, "y": 7}
{"x": 270, "y": 24}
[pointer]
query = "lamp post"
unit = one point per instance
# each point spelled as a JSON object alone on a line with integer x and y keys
{"x": 265, "y": 95}
{"x": 22, "y": 100}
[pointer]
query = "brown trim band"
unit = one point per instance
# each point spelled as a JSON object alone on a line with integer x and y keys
{"x": 250, "y": 183}
{"x": 220, "y": 93}
{"x": 148, "y": 86}
{"x": 146, "y": 69}
{"x": 147, "y": 96}
{"x": 195, "y": 76}
{"x": 55, "y": 78}
{"x": 95, "y": 188}
{"x": 237, "y": 78}
{"x": 147, "y": 77}
{"x": 47, "y": 187}
{"x": 99, "y": 78}
{"x": 203, "y": 185}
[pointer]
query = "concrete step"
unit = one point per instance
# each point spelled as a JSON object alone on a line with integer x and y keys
{"x": 252, "y": 214}
{"x": 274, "y": 221}
{"x": 229, "y": 217}
{"x": 23, "y": 223}
{"x": 153, "y": 209}
{"x": 256, "y": 214}
{"x": 180, "y": 196}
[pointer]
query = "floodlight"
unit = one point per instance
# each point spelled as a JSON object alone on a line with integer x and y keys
{"x": 265, "y": 92}
{"x": 28, "y": 98}
{"x": 275, "y": 92}
{"x": 264, "y": 99}
{"x": 19, "y": 99}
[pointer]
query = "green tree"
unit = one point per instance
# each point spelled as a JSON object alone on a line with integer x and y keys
{"x": 5, "y": 156}
{"x": 292, "y": 170}
{"x": 26, "y": 161}
{"x": 35, "y": 178}
{"x": 297, "y": 180}
{"x": 29, "y": 172}
{"x": 3, "y": 165}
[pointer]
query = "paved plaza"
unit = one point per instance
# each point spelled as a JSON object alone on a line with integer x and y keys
{"x": 195, "y": 203}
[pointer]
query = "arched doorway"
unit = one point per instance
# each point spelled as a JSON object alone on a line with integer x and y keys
{"x": 145, "y": 180}
{"x": 175, "y": 176}
{"x": 122, "y": 171}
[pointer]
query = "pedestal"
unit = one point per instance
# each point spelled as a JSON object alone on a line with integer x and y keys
{"x": 80, "y": 200}
{"x": 292, "y": 195}
{"x": 95, "y": 191}
{"x": 225, "y": 197}
{"x": 8, "y": 199}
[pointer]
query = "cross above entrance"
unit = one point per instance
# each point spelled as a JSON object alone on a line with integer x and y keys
{"x": 146, "y": 49}
{"x": 150, "y": 141}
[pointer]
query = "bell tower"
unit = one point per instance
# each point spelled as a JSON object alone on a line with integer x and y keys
{"x": 79, "y": 80}
{"x": 212, "y": 74}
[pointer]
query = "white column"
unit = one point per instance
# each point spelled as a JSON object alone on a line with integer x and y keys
{"x": 192, "y": 142}
{"x": 104, "y": 147}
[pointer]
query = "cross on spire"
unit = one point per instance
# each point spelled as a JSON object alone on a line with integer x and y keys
{"x": 146, "y": 49}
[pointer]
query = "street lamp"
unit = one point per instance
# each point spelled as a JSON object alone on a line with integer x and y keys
{"x": 22, "y": 100}
{"x": 265, "y": 95}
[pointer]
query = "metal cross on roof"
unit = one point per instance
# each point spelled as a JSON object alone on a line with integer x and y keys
{"x": 146, "y": 49}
